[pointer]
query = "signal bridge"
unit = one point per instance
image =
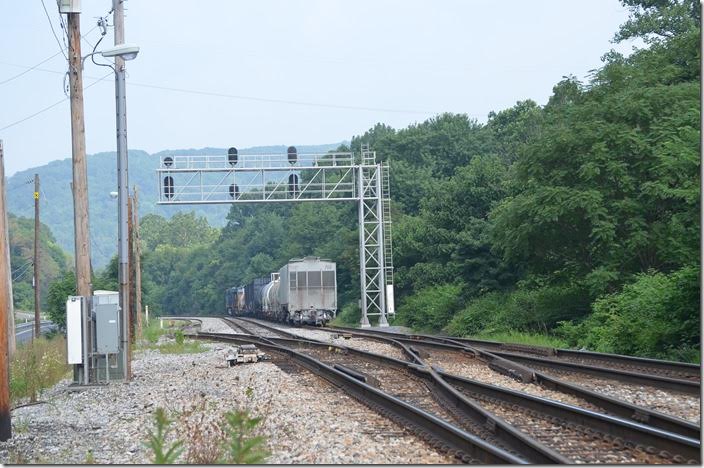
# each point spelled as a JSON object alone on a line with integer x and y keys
{"x": 294, "y": 177}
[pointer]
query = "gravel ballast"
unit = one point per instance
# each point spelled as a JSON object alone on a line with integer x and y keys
{"x": 305, "y": 419}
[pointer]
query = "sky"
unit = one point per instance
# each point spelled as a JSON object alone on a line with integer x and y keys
{"x": 226, "y": 73}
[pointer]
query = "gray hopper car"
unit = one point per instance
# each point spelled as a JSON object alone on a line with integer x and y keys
{"x": 304, "y": 291}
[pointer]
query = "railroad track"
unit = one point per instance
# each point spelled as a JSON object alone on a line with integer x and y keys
{"x": 666, "y": 372}
{"x": 595, "y": 400}
{"x": 540, "y": 429}
{"x": 437, "y": 432}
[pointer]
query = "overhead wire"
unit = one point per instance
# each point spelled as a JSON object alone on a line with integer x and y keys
{"x": 17, "y": 122}
{"x": 61, "y": 47}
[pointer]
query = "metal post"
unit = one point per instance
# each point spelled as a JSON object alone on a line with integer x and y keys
{"x": 122, "y": 185}
{"x": 380, "y": 249}
{"x": 362, "y": 254}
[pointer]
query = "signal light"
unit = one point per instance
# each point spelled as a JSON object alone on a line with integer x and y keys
{"x": 234, "y": 191}
{"x": 169, "y": 187}
{"x": 293, "y": 184}
{"x": 232, "y": 156}
{"x": 292, "y": 155}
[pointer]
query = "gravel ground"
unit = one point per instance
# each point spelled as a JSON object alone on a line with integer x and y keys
{"x": 306, "y": 420}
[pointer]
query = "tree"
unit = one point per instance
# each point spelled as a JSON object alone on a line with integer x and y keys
{"x": 59, "y": 291}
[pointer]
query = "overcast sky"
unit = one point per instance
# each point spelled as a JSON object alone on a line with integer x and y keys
{"x": 288, "y": 71}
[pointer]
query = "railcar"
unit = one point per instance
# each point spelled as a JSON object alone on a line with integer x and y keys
{"x": 304, "y": 291}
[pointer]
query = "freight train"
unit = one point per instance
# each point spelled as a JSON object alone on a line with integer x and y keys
{"x": 304, "y": 291}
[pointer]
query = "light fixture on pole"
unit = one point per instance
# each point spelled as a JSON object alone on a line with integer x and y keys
{"x": 121, "y": 52}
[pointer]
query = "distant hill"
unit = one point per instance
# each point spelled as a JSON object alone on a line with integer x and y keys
{"x": 57, "y": 202}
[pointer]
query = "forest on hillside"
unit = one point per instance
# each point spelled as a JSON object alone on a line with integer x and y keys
{"x": 576, "y": 221}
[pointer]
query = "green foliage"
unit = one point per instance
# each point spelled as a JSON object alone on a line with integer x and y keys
{"x": 161, "y": 455}
{"x": 348, "y": 317}
{"x": 525, "y": 310}
{"x": 59, "y": 291}
{"x": 430, "y": 308}
{"x": 53, "y": 261}
{"x": 242, "y": 447}
{"x": 657, "y": 315}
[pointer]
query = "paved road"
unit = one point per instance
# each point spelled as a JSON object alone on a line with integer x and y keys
{"x": 23, "y": 331}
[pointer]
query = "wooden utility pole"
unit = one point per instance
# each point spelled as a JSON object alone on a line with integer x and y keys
{"x": 11, "y": 338}
{"x": 5, "y": 422}
{"x": 78, "y": 147}
{"x": 137, "y": 263}
{"x": 37, "y": 318}
{"x": 130, "y": 238}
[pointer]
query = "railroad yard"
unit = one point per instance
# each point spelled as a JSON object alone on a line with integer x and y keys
{"x": 359, "y": 396}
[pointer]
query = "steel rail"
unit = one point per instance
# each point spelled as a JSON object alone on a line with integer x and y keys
{"x": 436, "y": 431}
{"x": 667, "y": 383}
{"x": 620, "y": 408}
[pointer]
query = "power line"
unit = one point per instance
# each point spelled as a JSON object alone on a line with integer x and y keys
{"x": 51, "y": 106}
{"x": 61, "y": 47}
{"x": 30, "y": 68}
{"x": 253, "y": 98}
{"x": 277, "y": 101}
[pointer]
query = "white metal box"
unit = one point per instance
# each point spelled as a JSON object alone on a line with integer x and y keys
{"x": 69, "y": 6}
{"x": 74, "y": 329}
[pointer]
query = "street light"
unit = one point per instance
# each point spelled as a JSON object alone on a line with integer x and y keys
{"x": 122, "y": 52}
{"x": 125, "y": 51}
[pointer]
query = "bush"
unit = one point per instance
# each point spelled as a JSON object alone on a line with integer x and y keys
{"x": 348, "y": 317}
{"x": 524, "y": 310}
{"x": 657, "y": 316}
{"x": 431, "y": 308}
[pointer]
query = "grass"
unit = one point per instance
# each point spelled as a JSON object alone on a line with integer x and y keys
{"x": 537, "y": 339}
{"x": 180, "y": 345}
{"x": 36, "y": 366}
{"x": 187, "y": 347}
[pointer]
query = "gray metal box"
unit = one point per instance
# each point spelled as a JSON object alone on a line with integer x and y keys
{"x": 107, "y": 329}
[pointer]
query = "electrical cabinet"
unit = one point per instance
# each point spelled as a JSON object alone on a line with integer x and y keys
{"x": 107, "y": 329}
{"x": 74, "y": 329}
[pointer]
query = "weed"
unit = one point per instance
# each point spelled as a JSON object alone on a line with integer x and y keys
{"x": 21, "y": 426}
{"x": 242, "y": 447}
{"x": 37, "y": 366}
{"x": 157, "y": 441}
{"x": 90, "y": 459}
{"x": 179, "y": 337}
{"x": 204, "y": 437}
